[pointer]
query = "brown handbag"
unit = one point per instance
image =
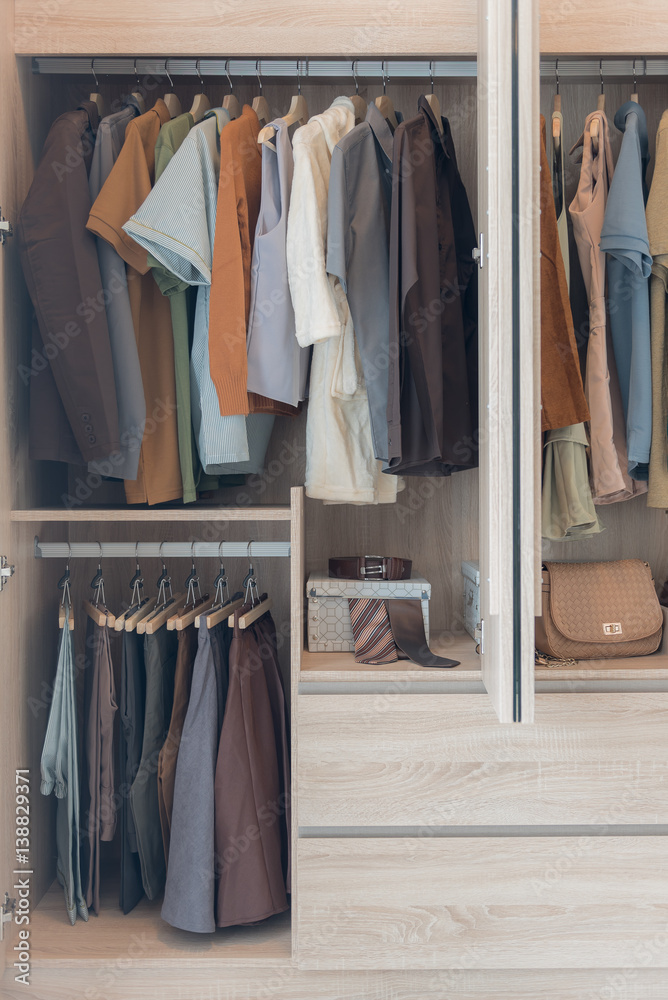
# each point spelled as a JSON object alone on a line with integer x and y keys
{"x": 599, "y": 610}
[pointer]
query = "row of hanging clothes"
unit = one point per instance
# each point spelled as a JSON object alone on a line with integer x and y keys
{"x": 605, "y": 429}
{"x": 196, "y": 274}
{"x": 193, "y": 777}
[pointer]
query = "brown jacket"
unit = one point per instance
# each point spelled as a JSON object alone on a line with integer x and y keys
{"x": 562, "y": 392}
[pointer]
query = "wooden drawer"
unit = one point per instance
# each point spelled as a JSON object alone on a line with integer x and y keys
{"x": 444, "y": 760}
{"x": 493, "y": 903}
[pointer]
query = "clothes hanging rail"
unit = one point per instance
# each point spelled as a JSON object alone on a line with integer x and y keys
{"x": 158, "y": 550}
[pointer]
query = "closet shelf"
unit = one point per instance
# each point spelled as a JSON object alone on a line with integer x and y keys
{"x": 147, "y": 938}
{"x": 632, "y": 668}
{"x": 281, "y": 513}
{"x": 333, "y": 667}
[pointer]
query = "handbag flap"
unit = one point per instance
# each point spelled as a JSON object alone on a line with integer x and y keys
{"x": 604, "y": 601}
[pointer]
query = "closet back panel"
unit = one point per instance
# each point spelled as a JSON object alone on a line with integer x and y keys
{"x": 435, "y": 521}
{"x": 632, "y": 530}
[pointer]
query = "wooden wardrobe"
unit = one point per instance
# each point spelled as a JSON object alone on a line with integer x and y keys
{"x": 491, "y": 832}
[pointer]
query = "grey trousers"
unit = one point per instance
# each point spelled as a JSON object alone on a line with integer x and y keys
{"x": 159, "y": 663}
{"x": 131, "y": 736}
{"x": 60, "y": 773}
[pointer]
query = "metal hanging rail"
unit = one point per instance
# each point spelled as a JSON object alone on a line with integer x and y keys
{"x": 152, "y": 550}
{"x": 310, "y": 69}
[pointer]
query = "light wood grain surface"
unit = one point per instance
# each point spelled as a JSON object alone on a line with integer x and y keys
{"x": 327, "y": 667}
{"x": 464, "y": 728}
{"x": 249, "y": 29}
{"x": 599, "y": 28}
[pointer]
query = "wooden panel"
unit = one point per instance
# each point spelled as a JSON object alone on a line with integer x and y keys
{"x": 328, "y": 667}
{"x": 246, "y": 29}
{"x": 124, "y": 981}
{"x": 495, "y": 497}
{"x": 297, "y": 605}
{"x": 521, "y": 902}
{"x": 598, "y": 27}
{"x": 368, "y": 791}
{"x": 461, "y": 728}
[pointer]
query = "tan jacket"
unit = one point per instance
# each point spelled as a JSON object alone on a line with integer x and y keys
{"x": 657, "y": 228}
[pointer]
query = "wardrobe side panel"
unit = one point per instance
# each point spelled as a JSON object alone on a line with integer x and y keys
{"x": 246, "y": 28}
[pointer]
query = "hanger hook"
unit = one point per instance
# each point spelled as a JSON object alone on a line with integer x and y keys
{"x": 357, "y": 86}
{"x": 227, "y": 74}
{"x": 431, "y": 74}
{"x": 385, "y": 78}
{"x": 257, "y": 73}
{"x": 171, "y": 82}
{"x": 69, "y": 555}
{"x": 137, "y": 554}
{"x": 136, "y": 72}
{"x": 197, "y": 62}
{"x": 600, "y": 71}
{"x": 556, "y": 72}
{"x": 635, "y": 81}
{"x": 99, "y": 556}
{"x": 161, "y": 557}
{"x": 299, "y": 79}
{"x": 92, "y": 69}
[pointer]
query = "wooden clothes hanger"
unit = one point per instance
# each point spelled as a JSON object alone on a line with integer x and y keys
{"x": 433, "y": 102}
{"x": 138, "y": 96}
{"x": 96, "y": 98}
{"x": 201, "y": 104}
{"x": 222, "y": 606}
{"x": 195, "y": 601}
{"x": 97, "y": 609}
{"x": 170, "y": 99}
{"x": 556, "y": 122}
{"x": 358, "y": 102}
{"x": 260, "y": 105}
{"x": 253, "y": 606}
{"x": 385, "y": 105}
{"x": 600, "y": 106}
{"x": 65, "y": 610}
{"x": 297, "y": 115}
{"x": 230, "y": 102}
{"x": 138, "y": 603}
{"x": 156, "y": 614}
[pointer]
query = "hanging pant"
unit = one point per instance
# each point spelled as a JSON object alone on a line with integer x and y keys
{"x": 190, "y": 887}
{"x": 185, "y": 658}
{"x": 98, "y": 803}
{"x": 131, "y": 735}
{"x": 60, "y": 773}
{"x": 249, "y": 808}
{"x": 160, "y": 664}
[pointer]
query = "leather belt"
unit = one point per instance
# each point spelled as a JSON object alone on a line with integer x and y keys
{"x": 370, "y": 568}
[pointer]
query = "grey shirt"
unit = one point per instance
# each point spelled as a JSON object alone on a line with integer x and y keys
{"x": 358, "y": 252}
{"x": 277, "y": 365}
{"x": 624, "y": 238}
{"x": 124, "y": 463}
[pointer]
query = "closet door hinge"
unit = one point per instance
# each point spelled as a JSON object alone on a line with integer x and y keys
{"x": 478, "y": 253}
{"x": 5, "y": 571}
{"x": 479, "y": 636}
{"x": 6, "y": 913}
{"x": 5, "y": 229}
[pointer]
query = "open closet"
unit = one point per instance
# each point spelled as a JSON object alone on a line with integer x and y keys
{"x": 492, "y": 830}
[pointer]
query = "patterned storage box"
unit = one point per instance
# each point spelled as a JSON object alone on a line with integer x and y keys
{"x": 471, "y": 573}
{"x": 329, "y": 628}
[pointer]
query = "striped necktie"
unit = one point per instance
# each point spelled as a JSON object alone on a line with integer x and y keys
{"x": 372, "y": 631}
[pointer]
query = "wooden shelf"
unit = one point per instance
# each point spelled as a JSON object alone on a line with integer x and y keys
{"x": 155, "y": 514}
{"x": 145, "y": 936}
{"x": 632, "y": 668}
{"x": 331, "y": 667}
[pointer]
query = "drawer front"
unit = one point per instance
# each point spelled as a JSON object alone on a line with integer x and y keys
{"x": 492, "y": 903}
{"x": 402, "y": 760}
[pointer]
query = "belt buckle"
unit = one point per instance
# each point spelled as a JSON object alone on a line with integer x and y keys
{"x": 379, "y": 572}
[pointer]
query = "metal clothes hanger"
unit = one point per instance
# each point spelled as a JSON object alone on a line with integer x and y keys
{"x": 170, "y": 99}
{"x": 137, "y": 94}
{"x": 556, "y": 122}
{"x": 95, "y": 97}
{"x": 138, "y": 603}
{"x": 634, "y": 95}
{"x": 384, "y": 104}
{"x": 195, "y": 602}
{"x": 260, "y": 106}
{"x": 256, "y": 605}
{"x": 358, "y": 102}
{"x": 433, "y": 101}
{"x": 600, "y": 106}
{"x": 201, "y": 103}
{"x": 65, "y": 610}
{"x": 230, "y": 102}
{"x": 222, "y": 605}
{"x": 97, "y": 609}
{"x": 165, "y": 604}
